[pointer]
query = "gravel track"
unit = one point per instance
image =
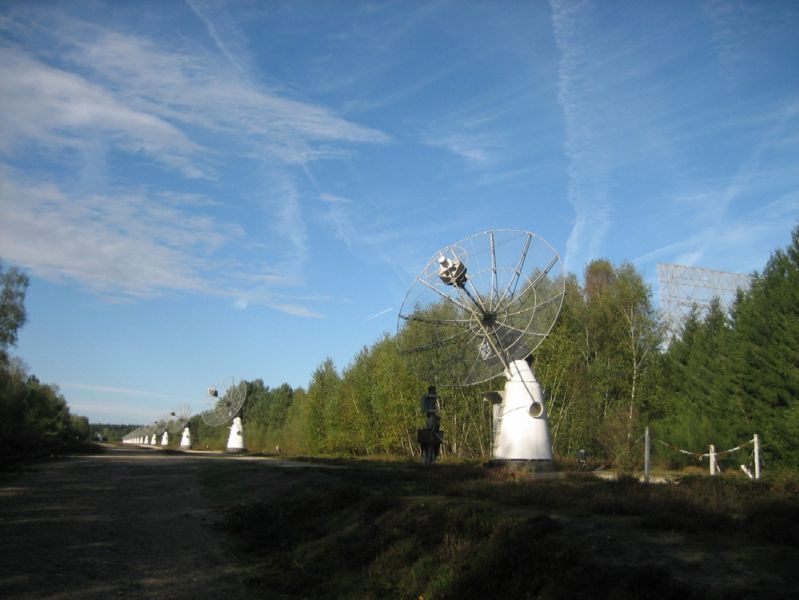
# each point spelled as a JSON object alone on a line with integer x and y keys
{"x": 126, "y": 523}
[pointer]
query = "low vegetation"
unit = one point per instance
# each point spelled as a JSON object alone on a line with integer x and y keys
{"x": 378, "y": 530}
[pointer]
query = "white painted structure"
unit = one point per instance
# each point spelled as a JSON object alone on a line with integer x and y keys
{"x": 185, "y": 439}
{"x": 235, "y": 441}
{"x": 521, "y": 431}
{"x": 165, "y": 438}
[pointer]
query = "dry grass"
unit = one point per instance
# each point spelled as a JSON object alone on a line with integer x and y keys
{"x": 378, "y": 530}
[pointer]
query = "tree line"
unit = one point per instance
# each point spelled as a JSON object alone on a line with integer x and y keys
{"x": 608, "y": 371}
{"x": 34, "y": 416}
{"x": 607, "y": 368}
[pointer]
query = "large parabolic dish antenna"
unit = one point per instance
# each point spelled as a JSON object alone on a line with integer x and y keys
{"x": 227, "y": 399}
{"x": 476, "y": 312}
{"x": 480, "y": 304}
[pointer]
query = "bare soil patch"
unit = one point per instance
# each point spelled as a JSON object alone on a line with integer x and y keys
{"x": 125, "y": 523}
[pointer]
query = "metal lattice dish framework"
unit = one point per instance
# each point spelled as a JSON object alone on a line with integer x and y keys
{"x": 480, "y": 304}
{"x": 177, "y": 419}
{"x": 228, "y": 398}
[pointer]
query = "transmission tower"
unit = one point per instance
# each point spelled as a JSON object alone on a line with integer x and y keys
{"x": 684, "y": 288}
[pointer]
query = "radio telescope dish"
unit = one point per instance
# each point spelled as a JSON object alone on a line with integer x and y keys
{"x": 228, "y": 398}
{"x": 477, "y": 311}
{"x": 150, "y": 434}
{"x": 485, "y": 302}
{"x": 179, "y": 423}
{"x": 178, "y": 418}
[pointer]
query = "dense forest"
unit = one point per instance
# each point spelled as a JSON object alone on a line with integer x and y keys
{"x": 607, "y": 367}
{"x": 33, "y": 416}
{"x": 608, "y": 370}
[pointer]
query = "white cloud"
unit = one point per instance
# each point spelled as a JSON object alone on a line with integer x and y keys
{"x": 588, "y": 160}
{"x": 338, "y": 215}
{"x": 57, "y": 108}
{"x": 223, "y": 31}
{"x": 475, "y": 148}
{"x": 197, "y": 90}
{"x": 106, "y": 94}
{"x": 379, "y": 314}
{"x": 332, "y": 199}
{"x": 297, "y": 311}
{"x": 130, "y": 244}
{"x": 104, "y": 389}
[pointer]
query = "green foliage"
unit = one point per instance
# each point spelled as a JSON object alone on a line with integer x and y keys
{"x": 728, "y": 377}
{"x": 599, "y": 364}
{"x": 603, "y": 369}
{"x": 764, "y": 360}
{"x": 13, "y": 284}
{"x": 33, "y": 415}
{"x": 266, "y": 411}
{"x": 206, "y": 437}
{"x": 111, "y": 432}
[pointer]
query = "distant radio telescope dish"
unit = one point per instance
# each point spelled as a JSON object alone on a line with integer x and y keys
{"x": 228, "y": 398}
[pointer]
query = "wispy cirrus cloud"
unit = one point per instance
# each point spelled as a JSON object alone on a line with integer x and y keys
{"x": 298, "y": 311}
{"x": 192, "y": 89}
{"x": 339, "y": 214}
{"x": 589, "y": 169}
{"x": 385, "y": 311}
{"x": 474, "y": 147}
{"x": 56, "y": 108}
{"x": 127, "y": 243}
{"x": 104, "y": 389}
{"x": 720, "y": 229}
{"x": 107, "y": 95}
{"x": 739, "y": 32}
{"x": 224, "y": 32}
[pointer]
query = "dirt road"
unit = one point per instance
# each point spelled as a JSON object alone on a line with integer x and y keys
{"x": 126, "y": 523}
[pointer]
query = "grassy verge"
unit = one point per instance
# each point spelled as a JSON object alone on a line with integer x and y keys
{"x": 11, "y": 457}
{"x": 377, "y": 530}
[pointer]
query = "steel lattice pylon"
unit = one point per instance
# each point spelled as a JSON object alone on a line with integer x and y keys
{"x": 683, "y": 288}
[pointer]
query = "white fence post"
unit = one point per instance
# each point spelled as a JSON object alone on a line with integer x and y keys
{"x": 713, "y": 466}
{"x": 647, "y": 456}
{"x": 757, "y": 456}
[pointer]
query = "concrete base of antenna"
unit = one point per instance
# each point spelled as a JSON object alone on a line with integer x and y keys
{"x": 235, "y": 441}
{"x": 165, "y": 439}
{"x": 521, "y": 431}
{"x": 185, "y": 439}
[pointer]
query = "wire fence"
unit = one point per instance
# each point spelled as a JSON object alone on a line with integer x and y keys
{"x": 711, "y": 454}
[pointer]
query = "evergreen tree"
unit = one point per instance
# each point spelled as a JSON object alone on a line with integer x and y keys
{"x": 766, "y": 358}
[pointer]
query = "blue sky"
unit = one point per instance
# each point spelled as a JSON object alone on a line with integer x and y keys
{"x": 201, "y": 189}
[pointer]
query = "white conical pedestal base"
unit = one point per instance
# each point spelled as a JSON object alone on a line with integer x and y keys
{"x": 165, "y": 439}
{"x": 185, "y": 439}
{"x": 521, "y": 431}
{"x": 235, "y": 442}
{"x": 152, "y": 440}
